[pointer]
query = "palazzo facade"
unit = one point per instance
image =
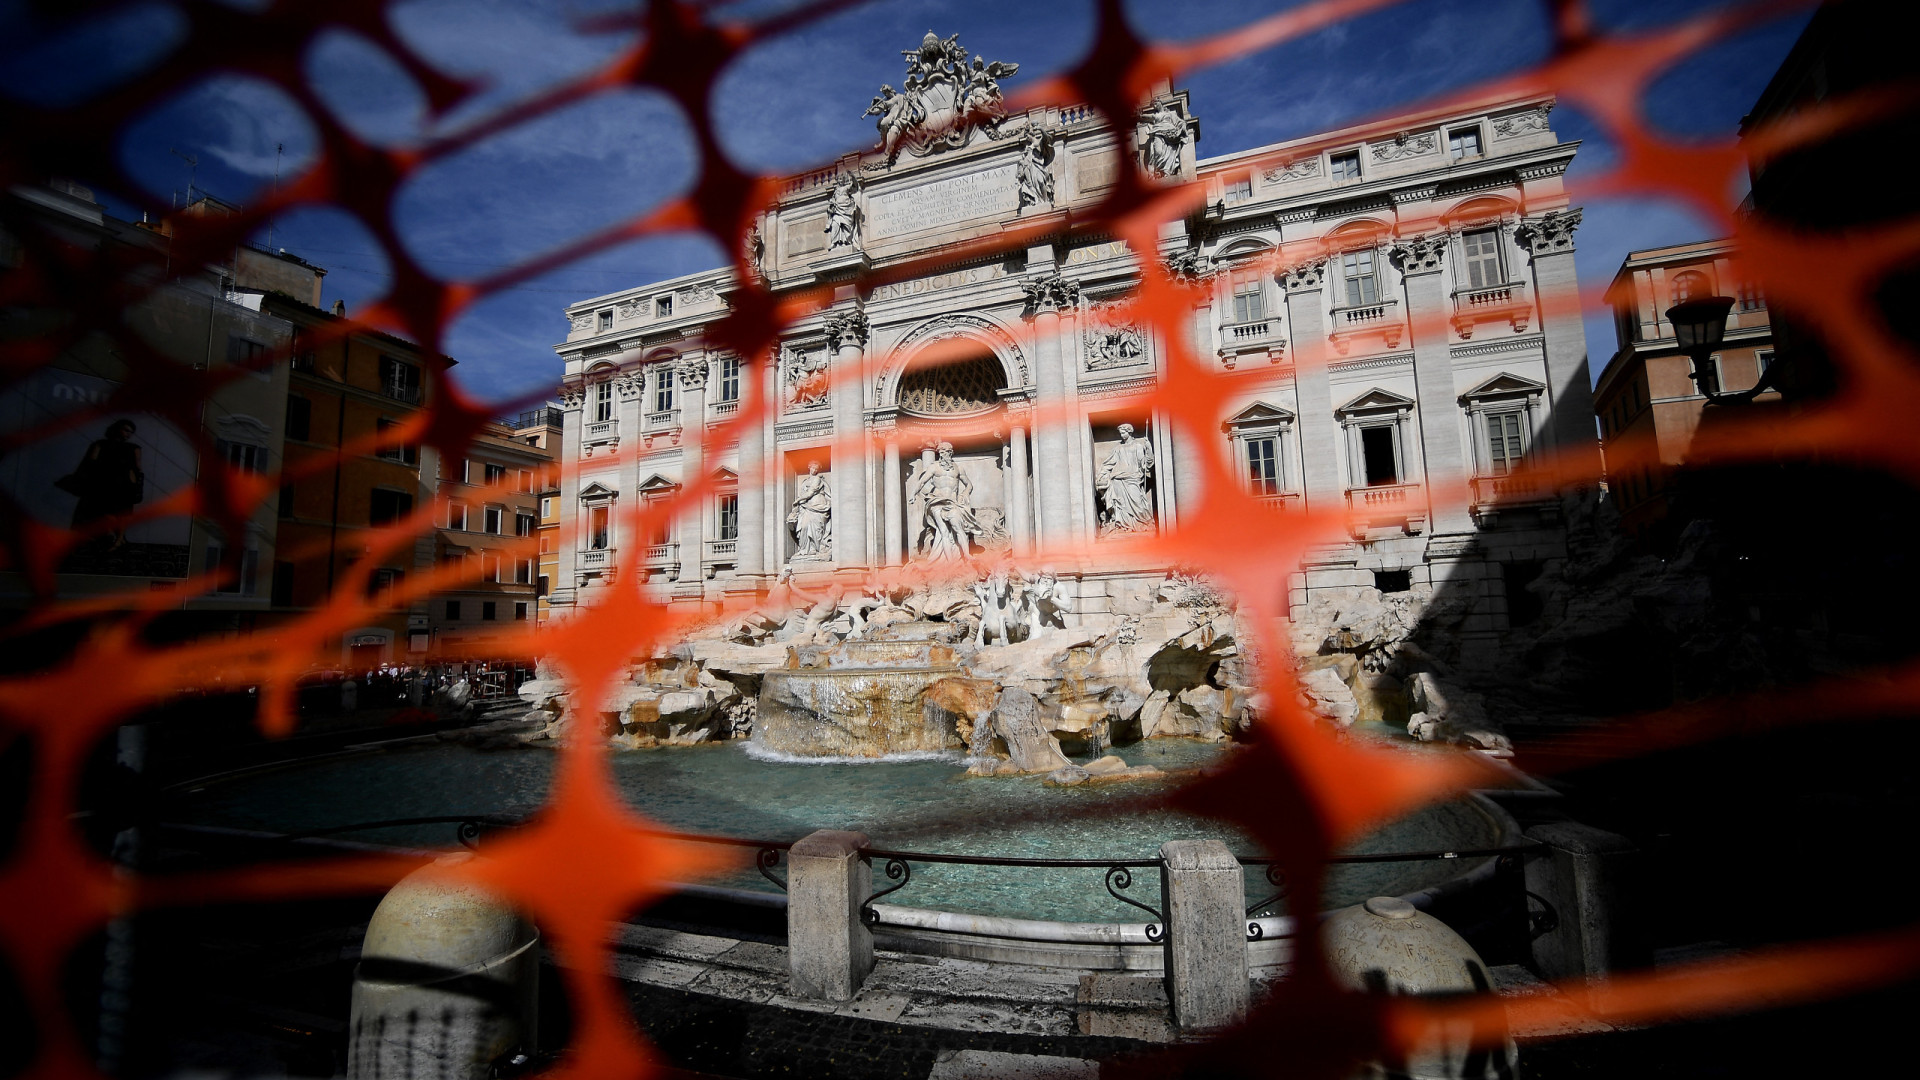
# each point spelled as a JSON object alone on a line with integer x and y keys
{"x": 1406, "y": 372}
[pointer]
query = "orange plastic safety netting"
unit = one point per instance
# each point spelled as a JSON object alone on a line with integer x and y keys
{"x": 588, "y": 858}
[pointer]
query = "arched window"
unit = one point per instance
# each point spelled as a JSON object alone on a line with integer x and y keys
{"x": 1689, "y": 286}
{"x": 953, "y": 388}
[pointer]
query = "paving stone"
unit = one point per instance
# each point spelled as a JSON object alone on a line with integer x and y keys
{"x": 670, "y": 943}
{"x": 735, "y": 985}
{"x": 647, "y": 969}
{"x": 993, "y": 1065}
{"x": 754, "y": 956}
{"x": 877, "y": 1006}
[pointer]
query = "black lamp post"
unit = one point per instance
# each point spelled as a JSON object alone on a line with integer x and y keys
{"x": 1699, "y": 326}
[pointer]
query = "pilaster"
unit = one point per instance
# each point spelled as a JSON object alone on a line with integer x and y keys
{"x": 1046, "y": 296}
{"x": 1421, "y": 261}
{"x": 1319, "y": 433}
{"x": 847, "y": 334}
{"x": 1549, "y": 240}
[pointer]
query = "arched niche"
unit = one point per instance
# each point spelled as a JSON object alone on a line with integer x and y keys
{"x": 963, "y": 341}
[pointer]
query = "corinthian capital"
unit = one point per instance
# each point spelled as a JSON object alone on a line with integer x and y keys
{"x": 1550, "y": 234}
{"x": 846, "y": 329}
{"x": 1188, "y": 267}
{"x": 1308, "y": 275}
{"x": 1419, "y": 255}
{"x": 692, "y": 372}
{"x": 1050, "y": 293}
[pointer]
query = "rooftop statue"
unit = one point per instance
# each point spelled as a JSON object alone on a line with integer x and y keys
{"x": 943, "y": 101}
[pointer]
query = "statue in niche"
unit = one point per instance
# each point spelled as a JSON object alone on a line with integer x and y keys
{"x": 843, "y": 216}
{"x": 1163, "y": 132}
{"x": 1122, "y": 482}
{"x": 947, "y": 532}
{"x": 1031, "y": 172}
{"x": 812, "y": 515}
{"x": 806, "y": 377}
{"x": 917, "y": 499}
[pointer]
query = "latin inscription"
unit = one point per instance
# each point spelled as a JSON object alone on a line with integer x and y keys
{"x": 806, "y": 236}
{"x": 971, "y": 276}
{"x": 943, "y": 202}
{"x": 1109, "y": 250}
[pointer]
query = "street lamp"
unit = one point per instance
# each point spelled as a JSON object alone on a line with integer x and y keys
{"x": 1699, "y": 326}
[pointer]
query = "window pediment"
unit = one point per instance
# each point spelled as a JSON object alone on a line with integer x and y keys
{"x": 597, "y": 492}
{"x": 1505, "y": 384}
{"x": 1376, "y": 400}
{"x": 658, "y": 485}
{"x": 1259, "y": 414}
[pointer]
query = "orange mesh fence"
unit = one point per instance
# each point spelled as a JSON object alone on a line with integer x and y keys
{"x": 588, "y": 858}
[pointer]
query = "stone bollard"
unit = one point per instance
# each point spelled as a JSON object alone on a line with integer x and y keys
{"x": 448, "y": 982}
{"x": 1388, "y": 946}
{"x": 829, "y": 948}
{"x": 1203, "y": 894}
{"x": 1589, "y": 879}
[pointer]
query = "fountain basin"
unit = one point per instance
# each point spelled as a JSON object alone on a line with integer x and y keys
{"x": 868, "y": 712}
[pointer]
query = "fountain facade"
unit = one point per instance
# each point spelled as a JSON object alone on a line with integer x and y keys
{"x": 857, "y": 699}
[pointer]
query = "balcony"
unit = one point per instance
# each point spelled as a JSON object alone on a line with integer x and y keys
{"x": 1279, "y": 500}
{"x": 722, "y": 551}
{"x": 726, "y": 408}
{"x": 1381, "y": 320}
{"x": 1253, "y": 336}
{"x": 1496, "y": 303}
{"x": 1492, "y": 494}
{"x": 1394, "y": 506}
{"x": 665, "y": 422}
{"x": 663, "y": 555}
{"x": 596, "y": 558}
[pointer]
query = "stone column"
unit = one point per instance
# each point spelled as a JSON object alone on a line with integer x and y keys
{"x": 1019, "y": 522}
{"x": 1203, "y": 895}
{"x": 1046, "y": 296}
{"x": 1421, "y": 260}
{"x": 1570, "y": 389}
{"x": 755, "y": 471}
{"x": 692, "y": 527}
{"x": 830, "y": 949}
{"x": 1306, "y": 318}
{"x": 890, "y": 501}
{"x": 561, "y": 591}
{"x": 847, "y": 334}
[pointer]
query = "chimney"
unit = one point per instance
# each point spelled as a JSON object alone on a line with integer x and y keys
{"x": 340, "y": 308}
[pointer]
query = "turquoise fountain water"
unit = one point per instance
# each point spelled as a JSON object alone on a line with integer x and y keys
{"x": 926, "y": 804}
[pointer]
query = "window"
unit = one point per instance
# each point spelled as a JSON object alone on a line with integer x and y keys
{"x": 1380, "y": 455}
{"x": 730, "y": 378}
{"x": 496, "y": 474}
{"x": 1393, "y": 580}
{"x": 520, "y": 611}
{"x": 1763, "y": 359}
{"x": 1249, "y": 298}
{"x": 523, "y": 571}
{"x": 546, "y": 543}
{"x": 488, "y": 609}
{"x": 282, "y": 584}
{"x": 1689, "y": 286}
{"x": 729, "y": 517}
{"x": 244, "y": 457}
{"x": 399, "y": 380}
{"x": 1750, "y": 298}
{"x": 606, "y": 320}
{"x": 523, "y": 481}
{"x": 495, "y": 519}
{"x": 1483, "y": 258}
{"x": 1239, "y": 188}
{"x": 1344, "y": 167}
{"x": 599, "y": 528}
{"x": 232, "y": 584}
{"x": 1363, "y": 286}
{"x": 457, "y": 515}
{"x": 546, "y": 506}
{"x": 1524, "y": 605}
{"x": 302, "y": 348}
{"x": 247, "y": 354}
{"x": 662, "y": 306}
{"x": 540, "y": 588}
{"x": 1503, "y": 442}
{"x": 286, "y": 500}
{"x": 663, "y": 388}
{"x": 1263, "y": 465}
{"x": 387, "y": 506}
{"x": 299, "y": 418}
{"x": 523, "y": 524}
{"x": 405, "y": 455}
{"x": 453, "y": 609}
{"x": 489, "y": 567}
{"x": 1463, "y": 143}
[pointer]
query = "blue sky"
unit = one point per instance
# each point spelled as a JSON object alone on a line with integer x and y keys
{"x": 789, "y": 103}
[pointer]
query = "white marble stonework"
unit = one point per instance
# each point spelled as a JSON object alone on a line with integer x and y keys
{"x": 1417, "y": 343}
